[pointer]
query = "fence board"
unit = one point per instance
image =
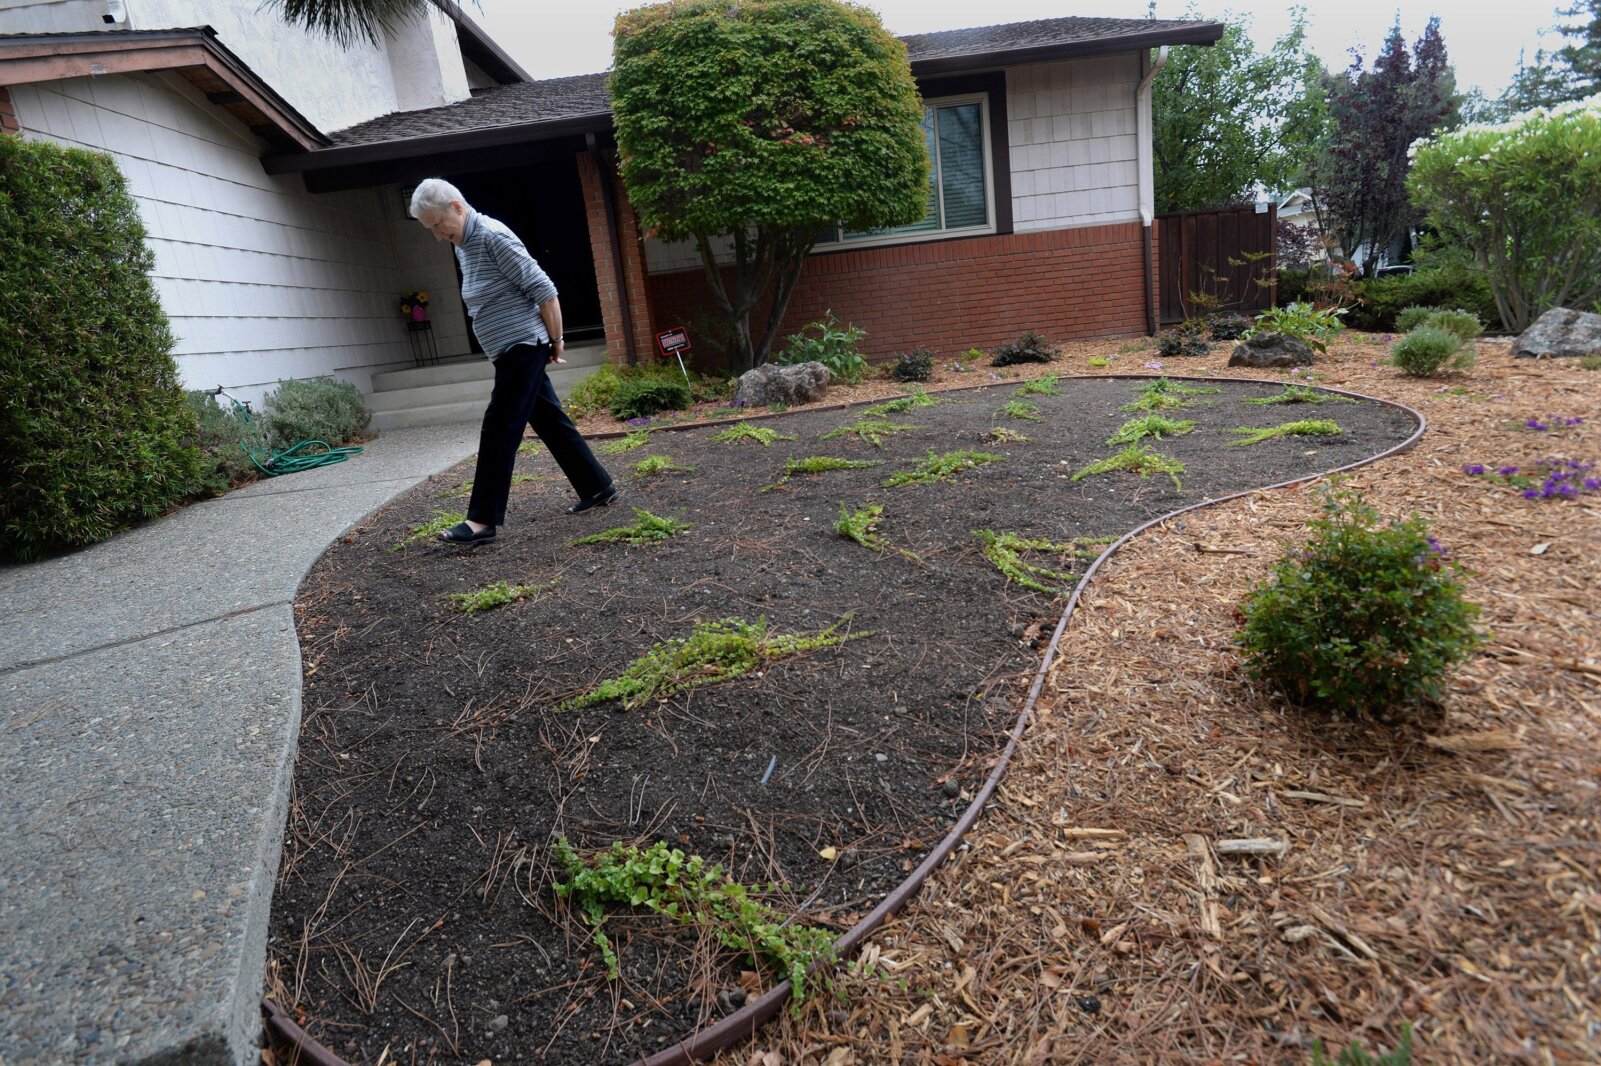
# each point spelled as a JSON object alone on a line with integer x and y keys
{"x": 1223, "y": 255}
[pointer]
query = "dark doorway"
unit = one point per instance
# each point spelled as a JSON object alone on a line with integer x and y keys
{"x": 544, "y": 205}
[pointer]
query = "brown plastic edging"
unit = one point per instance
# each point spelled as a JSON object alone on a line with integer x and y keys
{"x": 743, "y": 1023}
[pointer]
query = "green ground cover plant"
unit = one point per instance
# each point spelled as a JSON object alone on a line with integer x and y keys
{"x": 690, "y": 891}
{"x": 1042, "y": 386}
{"x": 496, "y": 594}
{"x": 528, "y": 447}
{"x": 822, "y": 464}
{"x": 1161, "y": 394}
{"x": 918, "y": 397}
{"x": 1006, "y": 550}
{"x": 1308, "y": 427}
{"x": 861, "y": 526}
{"x": 1353, "y": 1053}
{"x": 1099, "y": 361}
{"x": 942, "y": 467}
{"x": 1138, "y": 459}
{"x": 871, "y": 430}
{"x": 642, "y": 397}
{"x": 626, "y": 443}
{"x": 713, "y": 652}
{"x": 1005, "y": 435}
{"x": 1297, "y": 394}
{"x": 1021, "y": 409}
{"x": 652, "y": 465}
{"x": 1153, "y": 425}
{"x": 1361, "y": 618}
{"x": 647, "y": 529}
{"x": 745, "y": 431}
{"x": 436, "y": 525}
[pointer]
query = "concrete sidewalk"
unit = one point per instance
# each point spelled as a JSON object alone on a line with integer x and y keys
{"x": 149, "y": 710}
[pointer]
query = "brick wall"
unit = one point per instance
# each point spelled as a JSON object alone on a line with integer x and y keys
{"x": 957, "y": 294}
{"x": 8, "y": 114}
{"x": 605, "y": 264}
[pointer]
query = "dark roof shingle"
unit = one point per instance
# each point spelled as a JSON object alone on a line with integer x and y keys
{"x": 569, "y": 101}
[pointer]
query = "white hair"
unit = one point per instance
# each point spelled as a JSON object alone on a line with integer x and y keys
{"x": 434, "y": 194}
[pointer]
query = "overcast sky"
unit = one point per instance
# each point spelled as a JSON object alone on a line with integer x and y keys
{"x": 574, "y": 36}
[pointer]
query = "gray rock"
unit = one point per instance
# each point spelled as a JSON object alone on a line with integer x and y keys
{"x": 772, "y": 384}
{"x": 1560, "y": 333}
{"x": 1271, "y": 349}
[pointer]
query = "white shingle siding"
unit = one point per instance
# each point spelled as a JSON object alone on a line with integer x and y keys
{"x": 261, "y": 280}
{"x": 1073, "y": 137}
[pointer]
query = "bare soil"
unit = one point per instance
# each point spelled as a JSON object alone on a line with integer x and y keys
{"x": 415, "y": 914}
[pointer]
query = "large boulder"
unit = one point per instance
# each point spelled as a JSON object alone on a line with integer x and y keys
{"x": 1272, "y": 349}
{"x": 1560, "y": 333}
{"x": 771, "y": 384}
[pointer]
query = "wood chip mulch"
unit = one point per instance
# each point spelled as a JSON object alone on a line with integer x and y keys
{"x": 1104, "y": 911}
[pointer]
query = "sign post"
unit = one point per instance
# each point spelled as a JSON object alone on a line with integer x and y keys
{"x": 675, "y": 342}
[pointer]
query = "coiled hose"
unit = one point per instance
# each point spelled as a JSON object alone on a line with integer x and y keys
{"x": 291, "y": 460}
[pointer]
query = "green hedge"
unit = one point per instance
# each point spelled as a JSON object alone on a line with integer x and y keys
{"x": 94, "y": 430}
{"x": 1379, "y": 300}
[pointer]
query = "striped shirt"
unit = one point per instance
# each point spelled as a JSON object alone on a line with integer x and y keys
{"x": 501, "y": 285}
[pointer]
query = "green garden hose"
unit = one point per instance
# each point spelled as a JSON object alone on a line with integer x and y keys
{"x": 290, "y": 460}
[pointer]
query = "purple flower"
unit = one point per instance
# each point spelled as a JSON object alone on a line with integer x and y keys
{"x": 1537, "y": 425}
{"x": 1154, "y": 364}
{"x": 1435, "y": 546}
{"x": 1592, "y": 484}
{"x": 1577, "y": 421}
{"x": 1531, "y": 494}
{"x": 1506, "y": 471}
{"x": 1473, "y": 469}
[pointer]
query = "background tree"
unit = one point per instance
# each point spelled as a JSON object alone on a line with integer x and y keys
{"x": 1573, "y": 72}
{"x": 1375, "y": 116}
{"x": 761, "y": 122}
{"x": 1228, "y": 118}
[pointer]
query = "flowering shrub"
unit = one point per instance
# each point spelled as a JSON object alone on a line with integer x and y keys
{"x": 1547, "y": 479}
{"x": 1525, "y": 196}
{"x": 1362, "y": 618}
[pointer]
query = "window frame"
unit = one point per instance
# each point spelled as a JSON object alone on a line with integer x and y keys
{"x": 993, "y": 225}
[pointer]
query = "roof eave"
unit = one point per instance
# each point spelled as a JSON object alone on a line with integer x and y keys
{"x": 483, "y": 50}
{"x": 1200, "y": 33}
{"x": 414, "y": 147}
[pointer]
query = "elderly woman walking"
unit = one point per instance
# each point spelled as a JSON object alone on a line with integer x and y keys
{"x": 517, "y": 320}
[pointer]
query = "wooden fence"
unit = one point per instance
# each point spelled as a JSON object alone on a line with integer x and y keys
{"x": 1224, "y": 256}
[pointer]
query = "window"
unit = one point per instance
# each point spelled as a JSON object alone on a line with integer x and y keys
{"x": 956, "y": 130}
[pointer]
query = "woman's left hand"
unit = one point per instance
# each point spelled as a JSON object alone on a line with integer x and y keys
{"x": 556, "y": 348}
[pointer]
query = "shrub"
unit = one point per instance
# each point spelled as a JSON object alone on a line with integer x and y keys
{"x": 94, "y": 430}
{"x": 1522, "y": 197}
{"x": 1176, "y": 342}
{"x": 1464, "y": 324}
{"x": 1411, "y": 318}
{"x": 1446, "y": 281}
{"x": 313, "y": 409}
{"x": 834, "y": 346}
{"x": 222, "y": 441}
{"x": 1029, "y": 348}
{"x": 641, "y": 397}
{"x": 915, "y": 365}
{"x": 1305, "y": 322}
{"x": 1362, "y": 618}
{"x": 596, "y": 392}
{"x": 1427, "y": 350}
{"x": 1229, "y": 326}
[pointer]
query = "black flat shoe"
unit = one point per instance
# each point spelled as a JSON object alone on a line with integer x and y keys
{"x": 605, "y": 498}
{"x": 462, "y": 533}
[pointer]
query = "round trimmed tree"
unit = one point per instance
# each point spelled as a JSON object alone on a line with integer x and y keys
{"x": 94, "y": 431}
{"x": 762, "y": 122}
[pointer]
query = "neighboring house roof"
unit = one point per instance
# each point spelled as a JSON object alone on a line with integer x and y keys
{"x": 561, "y": 107}
{"x": 194, "y": 54}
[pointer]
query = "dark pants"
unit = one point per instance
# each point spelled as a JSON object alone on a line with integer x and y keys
{"x": 524, "y": 396}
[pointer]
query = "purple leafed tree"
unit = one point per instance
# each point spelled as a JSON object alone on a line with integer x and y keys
{"x": 1375, "y": 115}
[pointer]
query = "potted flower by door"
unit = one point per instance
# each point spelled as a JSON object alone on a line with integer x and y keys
{"x": 414, "y": 306}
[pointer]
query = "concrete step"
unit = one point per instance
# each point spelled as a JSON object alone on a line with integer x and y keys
{"x": 462, "y": 368}
{"x": 471, "y": 391}
{"x": 443, "y": 405}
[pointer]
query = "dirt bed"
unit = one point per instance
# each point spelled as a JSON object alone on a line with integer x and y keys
{"x": 415, "y": 911}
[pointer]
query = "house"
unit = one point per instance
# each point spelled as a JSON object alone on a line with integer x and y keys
{"x": 282, "y": 249}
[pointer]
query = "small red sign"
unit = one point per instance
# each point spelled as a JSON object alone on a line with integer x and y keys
{"x": 673, "y": 340}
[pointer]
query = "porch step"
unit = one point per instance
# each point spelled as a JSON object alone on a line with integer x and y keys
{"x": 456, "y": 390}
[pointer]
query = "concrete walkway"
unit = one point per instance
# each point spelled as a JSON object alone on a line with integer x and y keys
{"x": 149, "y": 709}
